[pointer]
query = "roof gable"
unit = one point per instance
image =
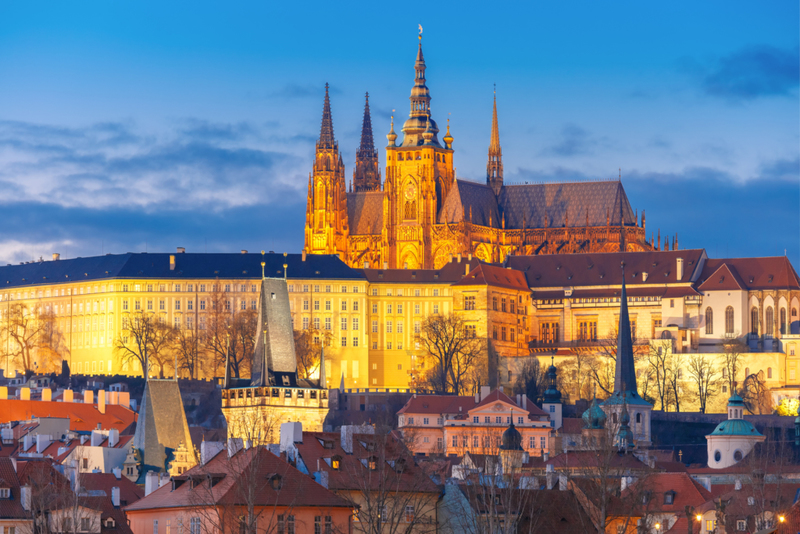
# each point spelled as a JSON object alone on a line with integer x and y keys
{"x": 723, "y": 279}
{"x": 756, "y": 273}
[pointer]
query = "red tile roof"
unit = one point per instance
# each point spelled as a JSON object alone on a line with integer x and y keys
{"x": 83, "y": 417}
{"x": 438, "y": 404}
{"x": 752, "y": 273}
{"x": 296, "y": 489}
{"x": 492, "y": 275}
{"x": 688, "y": 492}
{"x": 571, "y": 425}
{"x": 723, "y": 279}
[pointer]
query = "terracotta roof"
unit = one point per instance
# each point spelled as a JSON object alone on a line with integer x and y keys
{"x": 10, "y": 508}
{"x": 438, "y": 404}
{"x": 603, "y": 268}
{"x": 688, "y": 492}
{"x": 296, "y": 489}
{"x": 571, "y": 425}
{"x": 83, "y": 417}
{"x": 365, "y": 212}
{"x": 784, "y": 495}
{"x": 589, "y": 459}
{"x": 492, "y": 275}
{"x": 752, "y": 273}
{"x": 353, "y": 473}
{"x": 450, "y": 272}
{"x": 129, "y": 492}
{"x": 723, "y": 279}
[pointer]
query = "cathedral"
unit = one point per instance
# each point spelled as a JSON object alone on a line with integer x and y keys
{"x": 421, "y": 214}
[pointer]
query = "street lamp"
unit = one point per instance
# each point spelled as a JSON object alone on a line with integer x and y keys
{"x": 658, "y": 527}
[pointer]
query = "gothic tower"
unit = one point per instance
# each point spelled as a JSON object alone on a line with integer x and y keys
{"x": 326, "y": 212}
{"x": 419, "y": 174}
{"x": 367, "y": 174}
{"x": 494, "y": 167}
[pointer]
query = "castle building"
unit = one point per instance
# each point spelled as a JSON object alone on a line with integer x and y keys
{"x": 422, "y": 213}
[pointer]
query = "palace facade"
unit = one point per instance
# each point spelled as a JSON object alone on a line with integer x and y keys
{"x": 422, "y": 214}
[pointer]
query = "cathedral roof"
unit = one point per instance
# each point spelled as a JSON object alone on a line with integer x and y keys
{"x": 565, "y": 202}
{"x": 470, "y": 197}
{"x": 365, "y": 212}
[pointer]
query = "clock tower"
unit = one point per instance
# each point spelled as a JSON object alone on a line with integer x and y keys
{"x": 419, "y": 174}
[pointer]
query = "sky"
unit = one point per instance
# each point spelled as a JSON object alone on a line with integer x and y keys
{"x": 145, "y": 126}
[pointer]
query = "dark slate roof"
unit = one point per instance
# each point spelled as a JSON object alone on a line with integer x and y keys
{"x": 162, "y": 424}
{"x": 365, "y": 212}
{"x": 465, "y": 195}
{"x": 187, "y": 265}
{"x": 557, "y": 200}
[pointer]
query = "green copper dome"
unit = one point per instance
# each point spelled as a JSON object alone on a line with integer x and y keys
{"x": 735, "y": 427}
{"x": 594, "y": 417}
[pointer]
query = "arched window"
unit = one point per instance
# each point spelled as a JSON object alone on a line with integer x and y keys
{"x": 709, "y": 321}
{"x": 399, "y": 156}
{"x": 729, "y": 320}
{"x": 783, "y": 321}
{"x": 666, "y": 335}
{"x": 638, "y": 417}
{"x": 754, "y": 321}
{"x": 770, "y": 322}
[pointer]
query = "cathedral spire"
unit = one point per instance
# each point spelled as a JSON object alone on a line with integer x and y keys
{"x": 420, "y": 113}
{"x": 494, "y": 167}
{"x": 366, "y": 175}
{"x": 326, "y": 131}
{"x": 625, "y": 372}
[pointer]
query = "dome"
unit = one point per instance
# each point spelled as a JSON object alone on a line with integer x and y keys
{"x": 594, "y": 417}
{"x": 736, "y": 400}
{"x": 512, "y": 439}
{"x": 735, "y": 427}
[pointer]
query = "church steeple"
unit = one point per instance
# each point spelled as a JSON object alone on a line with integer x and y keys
{"x": 625, "y": 376}
{"x": 420, "y": 113}
{"x": 367, "y": 174}
{"x": 326, "y": 131}
{"x": 494, "y": 168}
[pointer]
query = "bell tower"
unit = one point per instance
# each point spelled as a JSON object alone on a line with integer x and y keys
{"x": 419, "y": 174}
{"x": 326, "y": 209}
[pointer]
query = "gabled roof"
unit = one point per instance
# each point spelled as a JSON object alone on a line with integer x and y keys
{"x": 467, "y": 198}
{"x": 187, "y": 266}
{"x": 723, "y": 279}
{"x": 365, "y": 212}
{"x": 486, "y": 274}
{"x": 11, "y": 508}
{"x": 256, "y": 463}
{"x": 688, "y": 492}
{"x": 563, "y": 203}
{"x": 603, "y": 268}
{"x": 82, "y": 417}
{"x": 753, "y": 273}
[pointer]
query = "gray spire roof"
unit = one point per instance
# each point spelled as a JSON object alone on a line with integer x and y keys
{"x": 274, "y": 351}
{"x": 326, "y": 131}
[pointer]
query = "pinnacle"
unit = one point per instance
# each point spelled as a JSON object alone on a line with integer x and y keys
{"x": 326, "y": 139}
{"x": 494, "y": 144}
{"x": 367, "y": 147}
{"x": 625, "y": 375}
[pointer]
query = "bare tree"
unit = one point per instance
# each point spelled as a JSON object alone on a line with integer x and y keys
{"x": 756, "y": 394}
{"x": 733, "y": 348}
{"x": 185, "y": 347}
{"x": 33, "y": 339}
{"x": 575, "y": 375}
{"x": 659, "y": 361}
{"x": 452, "y": 350}
{"x": 145, "y": 338}
{"x": 308, "y": 347}
{"x": 530, "y": 379}
{"x": 704, "y": 374}
{"x": 230, "y": 332}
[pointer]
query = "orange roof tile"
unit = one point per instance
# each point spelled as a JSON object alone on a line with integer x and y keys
{"x": 753, "y": 273}
{"x": 492, "y": 275}
{"x": 83, "y": 417}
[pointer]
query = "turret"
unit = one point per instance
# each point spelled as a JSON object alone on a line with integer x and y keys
{"x": 552, "y": 397}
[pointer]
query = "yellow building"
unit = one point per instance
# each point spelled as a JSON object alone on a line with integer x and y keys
{"x": 422, "y": 214}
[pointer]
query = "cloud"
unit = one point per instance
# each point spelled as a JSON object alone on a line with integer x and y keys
{"x": 752, "y": 72}
{"x": 572, "y": 141}
{"x": 781, "y": 169}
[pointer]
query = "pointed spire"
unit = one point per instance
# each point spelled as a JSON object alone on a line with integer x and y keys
{"x": 391, "y": 136}
{"x": 367, "y": 175}
{"x": 326, "y": 139}
{"x": 494, "y": 167}
{"x": 448, "y": 139}
{"x": 420, "y": 101}
{"x": 367, "y": 147}
{"x": 625, "y": 375}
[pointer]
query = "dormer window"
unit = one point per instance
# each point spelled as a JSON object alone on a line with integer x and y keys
{"x": 335, "y": 462}
{"x": 275, "y": 481}
{"x": 5, "y": 493}
{"x": 669, "y": 497}
{"x": 109, "y": 523}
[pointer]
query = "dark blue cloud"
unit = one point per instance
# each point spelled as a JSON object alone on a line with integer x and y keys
{"x": 572, "y": 141}
{"x": 752, "y": 72}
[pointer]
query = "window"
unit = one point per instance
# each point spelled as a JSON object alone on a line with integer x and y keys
{"x": 470, "y": 331}
{"x": 399, "y": 327}
{"x": 754, "y": 321}
{"x": 389, "y": 326}
{"x": 469, "y": 303}
{"x": 587, "y": 331}
{"x": 409, "y": 516}
{"x": 502, "y": 333}
{"x": 343, "y": 323}
{"x": 327, "y": 305}
{"x": 5, "y": 493}
{"x": 782, "y": 323}
{"x": 436, "y": 309}
{"x": 425, "y": 420}
{"x": 435, "y": 292}
{"x": 494, "y": 303}
{"x": 374, "y": 327}
{"x": 669, "y": 497}
{"x": 717, "y": 456}
{"x": 355, "y": 341}
{"x": 388, "y": 308}
{"x": 671, "y": 303}
{"x": 709, "y": 321}
{"x": 194, "y": 525}
{"x": 711, "y": 524}
{"x": 416, "y": 327}
{"x": 344, "y": 341}
{"x": 543, "y": 442}
{"x": 327, "y": 323}
{"x": 768, "y": 331}
{"x": 769, "y": 372}
{"x": 494, "y": 332}
{"x": 729, "y": 320}
{"x": 455, "y": 441}
{"x": 741, "y": 525}
{"x": 503, "y": 304}
{"x": 475, "y": 419}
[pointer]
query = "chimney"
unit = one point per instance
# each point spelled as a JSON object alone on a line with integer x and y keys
{"x": 24, "y": 393}
{"x": 181, "y": 250}
{"x": 117, "y": 472}
{"x": 3, "y": 392}
{"x": 470, "y": 256}
{"x": 234, "y": 446}
{"x": 150, "y": 482}
{"x": 562, "y": 482}
{"x": 304, "y": 255}
{"x": 125, "y": 399}
{"x": 477, "y": 398}
{"x": 27, "y": 442}
{"x": 466, "y": 269}
{"x": 47, "y": 394}
{"x": 346, "y": 435}
{"x": 97, "y": 438}
{"x": 546, "y": 456}
{"x": 113, "y": 437}
{"x": 171, "y": 262}
{"x": 56, "y": 256}
{"x": 88, "y": 396}
{"x": 485, "y": 390}
{"x": 113, "y": 397}
{"x": 84, "y": 438}
{"x": 115, "y": 496}
{"x": 644, "y": 277}
{"x": 101, "y": 401}
{"x": 322, "y": 479}
{"x": 679, "y": 269}
{"x": 550, "y": 475}
{"x": 25, "y": 498}
{"x": 244, "y": 251}
{"x": 386, "y": 265}
{"x": 42, "y": 442}
{"x": 291, "y": 433}
{"x": 737, "y": 484}
{"x": 209, "y": 449}
{"x": 459, "y": 257}
{"x": 450, "y": 258}
{"x": 67, "y": 396}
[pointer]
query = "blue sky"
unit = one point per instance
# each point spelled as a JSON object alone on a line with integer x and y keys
{"x": 132, "y": 126}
